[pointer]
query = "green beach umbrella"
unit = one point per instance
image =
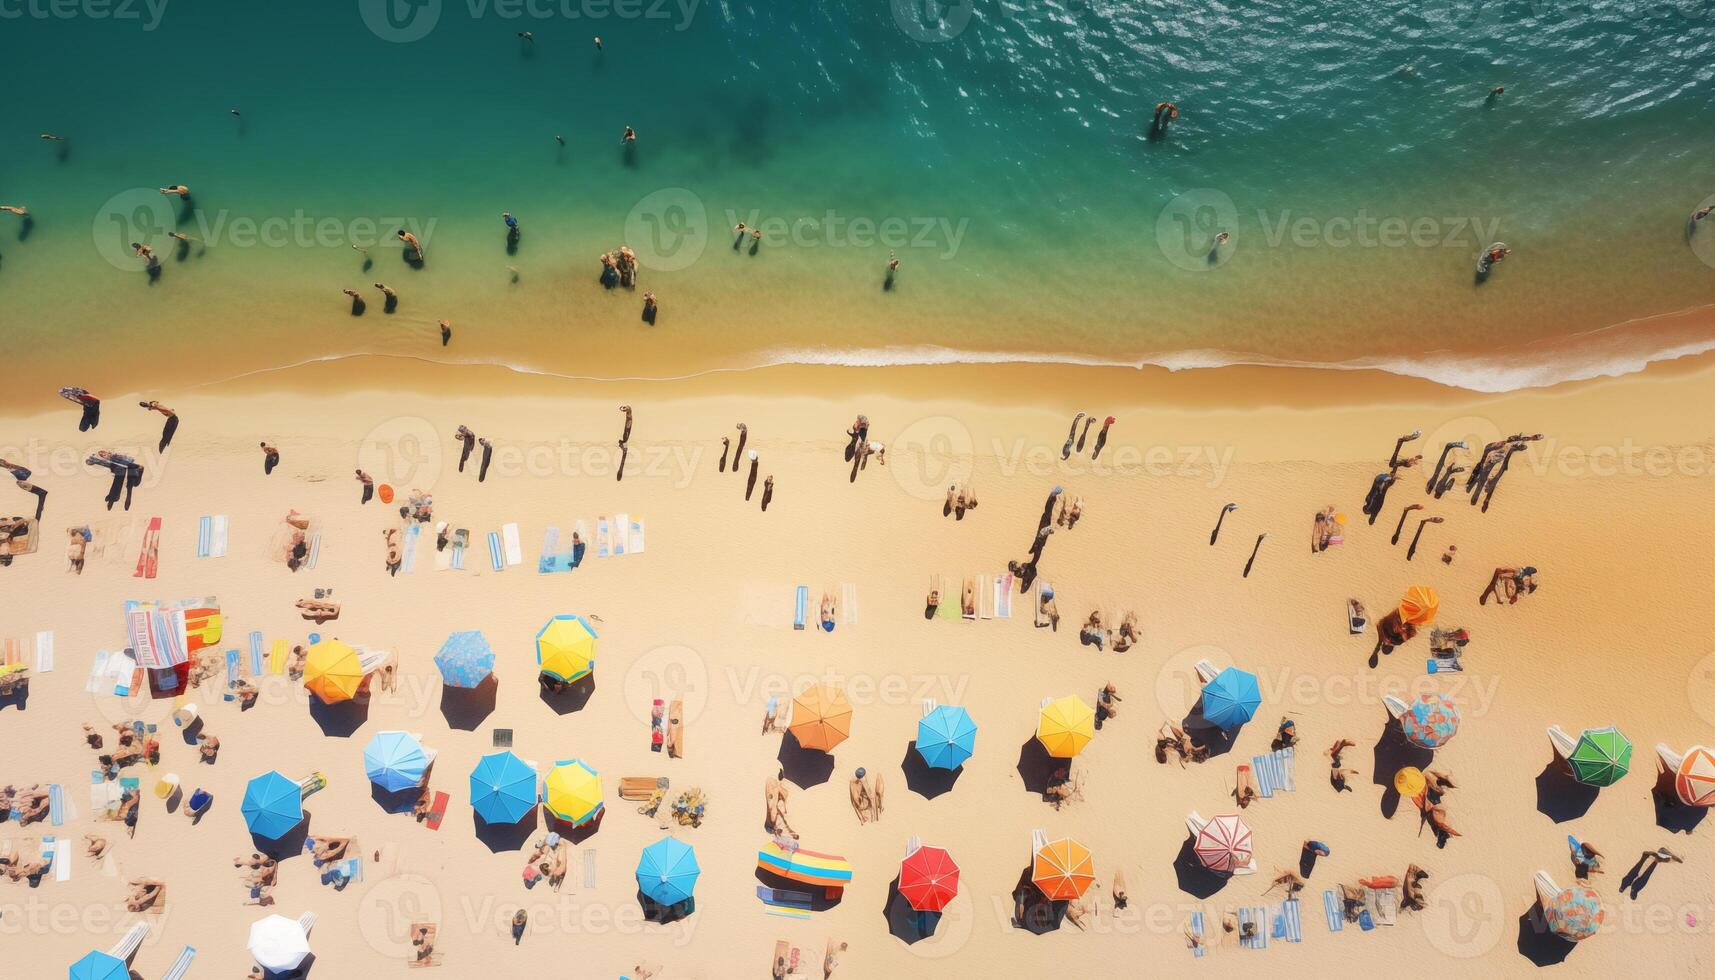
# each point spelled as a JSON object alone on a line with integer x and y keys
{"x": 1601, "y": 757}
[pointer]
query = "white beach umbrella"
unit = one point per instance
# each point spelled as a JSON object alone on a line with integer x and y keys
{"x": 278, "y": 943}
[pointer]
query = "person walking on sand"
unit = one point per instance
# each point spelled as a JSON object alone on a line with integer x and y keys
{"x": 1377, "y": 497}
{"x": 171, "y": 426}
{"x": 487, "y": 455}
{"x": 1393, "y": 461}
{"x": 1102, "y": 437}
{"x": 90, "y": 404}
{"x": 368, "y": 486}
{"x": 743, "y": 434}
{"x": 21, "y": 474}
{"x": 446, "y": 332}
{"x": 467, "y": 442}
{"x": 270, "y": 458}
{"x": 625, "y": 437}
{"x": 1066, "y": 450}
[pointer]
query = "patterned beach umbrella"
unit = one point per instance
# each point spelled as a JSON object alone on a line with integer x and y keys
{"x": 667, "y": 871}
{"x": 278, "y": 944}
{"x": 1419, "y": 605}
{"x": 1062, "y": 869}
{"x": 1224, "y": 844}
{"x": 1574, "y": 914}
{"x": 502, "y": 788}
{"x": 395, "y": 761}
{"x": 1066, "y": 726}
{"x": 1601, "y": 757}
{"x": 97, "y": 965}
{"x": 574, "y": 792}
{"x": 946, "y": 737}
{"x": 332, "y": 671}
{"x": 1231, "y": 698}
{"x": 1695, "y": 780}
{"x": 465, "y": 659}
{"x": 821, "y": 718}
{"x": 1430, "y": 721}
{"x": 565, "y": 648}
{"x": 272, "y": 805}
{"x": 928, "y": 879}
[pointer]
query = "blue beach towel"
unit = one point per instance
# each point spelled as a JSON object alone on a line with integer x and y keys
{"x": 1331, "y": 905}
{"x": 801, "y": 607}
{"x": 494, "y": 550}
{"x": 1293, "y": 921}
{"x": 205, "y": 530}
{"x": 409, "y": 564}
{"x": 256, "y": 653}
{"x": 1197, "y": 930}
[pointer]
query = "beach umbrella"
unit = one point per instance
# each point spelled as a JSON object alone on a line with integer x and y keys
{"x": 821, "y": 717}
{"x": 278, "y": 944}
{"x": 1601, "y": 757}
{"x": 1419, "y": 605}
{"x": 1231, "y": 698}
{"x": 929, "y": 879}
{"x": 502, "y": 788}
{"x": 565, "y": 648}
{"x": 1066, "y": 726}
{"x": 1695, "y": 780}
{"x": 1224, "y": 844}
{"x": 97, "y": 965}
{"x": 395, "y": 761}
{"x": 465, "y": 659}
{"x": 1430, "y": 721}
{"x": 1409, "y": 782}
{"x": 272, "y": 805}
{"x": 1062, "y": 869}
{"x": 1574, "y": 914}
{"x": 332, "y": 671}
{"x": 946, "y": 737}
{"x": 574, "y": 792}
{"x": 667, "y": 871}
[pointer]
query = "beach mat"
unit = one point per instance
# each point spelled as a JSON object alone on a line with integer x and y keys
{"x": 256, "y": 667}
{"x": 45, "y": 651}
{"x": 494, "y": 556}
{"x": 637, "y": 541}
{"x": 551, "y": 560}
{"x": 1197, "y": 930}
{"x": 602, "y": 545}
{"x": 800, "y": 606}
{"x": 1331, "y": 906}
{"x": 437, "y": 811}
{"x": 1292, "y": 924}
{"x": 205, "y": 532}
{"x": 848, "y": 604}
{"x": 622, "y": 533}
{"x": 217, "y": 536}
{"x": 408, "y": 563}
{"x": 514, "y": 551}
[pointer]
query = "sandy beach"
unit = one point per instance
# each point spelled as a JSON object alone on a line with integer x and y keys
{"x": 1611, "y": 507}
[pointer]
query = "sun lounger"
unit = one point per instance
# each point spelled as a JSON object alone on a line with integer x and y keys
{"x": 800, "y": 607}
{"x": 1332, "y": 906}
{"x": 182, "y": 965}
{"x": 56, "y": 805}
{"x": 513, "y": 550}
{"x": 408, "y": 562}
{"x": 1197, "y": 930}
{"x": 217, "y": 536}
{"x": 985, "y": 598}
{"x": 1546, "y": 889}
{"x": 130, "y": 942}
{"x": 589, "y": 867}
{"x": 1562, "y": 742}
{"x": 437, "y": 811}
{"x": 45, "y": 652}
{"x": 785, "y": 902}
{"x": 1384, "y": 905}
{"x": 602, "y": 545}
{"x": 1206, "y": 670}
{"x": 315, "y": 550}
{"x": 1395, "y": 707}
{"x": 637, "y": 540}
{"x": 1294, "y": 922}
{"x": 622, "y": 532}
{"x": 495, "y": 558}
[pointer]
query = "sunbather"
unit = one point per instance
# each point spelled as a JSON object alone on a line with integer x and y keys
{"x": 1412, "y": 884}
{"x": 95, "y": 847}
{"x": 1092, "y": 633}
{"x": 968, "y": 603}
{"x": 325, "y": 850}
{"x": 1437, "y": 817}
{"x": 861, "y": 802}
{"x": 18, "y": 868}
{"x": 829, "y": 610}
{"x": 1127, "y": 635}
{"x": 1353, "y": 898}
{"x": 1107, "y": 701}
{"x": 208, "y": 747}
{"x": 318, "y": 610}
{"x": 395, "y": 551}
{"x": 145, "y": 893}
{"x": 1290, "y": 879}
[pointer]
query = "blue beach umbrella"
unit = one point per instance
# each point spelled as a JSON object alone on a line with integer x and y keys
{"x": 946, "y": 737}
{"x": 667, "y": 872}
{"x": 465, "y": 659}
{"x": 395, "y": 761}
{"x": 1231, "y": 698}
{"x": 97, "y": 965}
{"x": 272, "y": 805}
{"x": 502, "y": 788}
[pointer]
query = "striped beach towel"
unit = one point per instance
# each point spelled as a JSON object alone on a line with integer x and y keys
{"x": 458, "y": 549}
{"x": 315, "y": 550}
{"x": 637, "y": 541}
{"x": 1259, "y": 916}
{"x": 622, "y": 533}
{"x": 56, "y": 805}
{"x": 1197, "y": 930}
{"x": 205, "y": 531}
{"x": 601, "y": 542}
{"x": 1246, "y": 917}
{"x": 256, "y": 653}
{"x": 494, "y": 551}
{"x": 182, "y": 965}
{"x": 1292, "y": 924}
{"x": 1331, "y": 905}
{"x": 409, "y": 563}
{"x": 800, "y": 606}
{"x": 550, "y": 562}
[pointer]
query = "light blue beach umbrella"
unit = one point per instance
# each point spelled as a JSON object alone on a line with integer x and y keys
{"x": 272, "y": 805}
{"x": 502, "y": 788}
{"x": 395, "y": 761}
{"x": 667, "y": 872}
{"x": 1231, "y": 698}
{"x": 465, "y": 659}
{"x": 946, "y": 737}
{"x": 97, "y": 965}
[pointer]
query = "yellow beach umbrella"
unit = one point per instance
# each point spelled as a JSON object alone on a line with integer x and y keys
{"x": 565, "y": 648}
{"x": 1409, "y": 782}
{"x": 574, "y": 791}
{"x": 821, "y": 718}
{"x": 332, "y": 671}
{"x": 1419, "y": 605}
{"x": 1066, "y": 726}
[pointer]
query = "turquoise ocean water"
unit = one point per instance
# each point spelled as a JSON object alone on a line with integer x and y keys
{"x": 1001, "y": 150}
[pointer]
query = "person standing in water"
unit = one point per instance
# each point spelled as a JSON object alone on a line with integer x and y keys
{"x": 411, "y": 241}
{"x": 169, "y": 428}
{"x": 630, "y": 135}
{"x": 446, "y": 332}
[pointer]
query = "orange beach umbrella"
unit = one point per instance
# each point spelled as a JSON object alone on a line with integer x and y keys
{"x": 821, "y": 718}
{"x": 1062, "y": 869}
{"x": 1419, "y": 605}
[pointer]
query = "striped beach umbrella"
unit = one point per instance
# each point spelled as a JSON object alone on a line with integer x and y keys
{"x": 667, "y": 871}
{"x": 395, "y": 761}
{"x": 465, "y": 659}
{"x": 1066, "y": 726}
{"x": 946, "y": 737}
{"x": 1695, "y": 779}
{"x": 573, "y": 792}
{"x": 272, "y": 805}
{"x": 332, "y": 672}
{"x": 1601, "y": 757}
{"x": 821, "y": 718}
{"x": 565, "y": 648}
{"x": 1574, "y": 914}
{"x": 502, "y": 788}
{"x": 1224, "y": 844}
{"x": 928, "y": 879}
{"x": 1062, "y": 869}
{"x": 1430, "y": 721}
{"x": 97, "y": 965}
{"x": 1231, "y": 699}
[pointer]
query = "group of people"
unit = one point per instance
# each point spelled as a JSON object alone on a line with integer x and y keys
{"x": 1075, "y": 438}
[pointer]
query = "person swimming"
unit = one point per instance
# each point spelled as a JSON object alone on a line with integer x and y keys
{"x": 183, "y": 192}
{"x": 630, "y": 135}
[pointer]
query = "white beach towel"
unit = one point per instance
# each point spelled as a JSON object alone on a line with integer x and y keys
{"x": 622, "y": 532}
{"x": 97, "y": 673}
{"x": 514, "y": 549}
{"x": 637, "y": 536}
{"x": 217, "y": 537}
{"x": 408, "y": 563}
{"x": 1003, "y": 596}
{"x": 848, "y": 604}
{"x": 45, "y": 652}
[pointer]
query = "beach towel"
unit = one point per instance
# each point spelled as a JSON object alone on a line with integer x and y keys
{"x": 800, "y": 607}
{"x": 56, "y": 805}
{"x": 45, "y": 652}
{"x": 1292, "y": 920}
{"x": 256, "y": 653}
{"x": 1288, "y": 768}
{"x": 148, "y": 555}
{"x": 231, "y": 671}
{"x": 494, "y": 556}
{"x": 514, "y": 551}
{"x": 408, "y": 562}
{"x": 601, "y": 543}
{"x": 1259, "y": 916}
{"x": 437, "y": 811}
{"x": 550, "y": 561}
{"x": 1384, "y": 905}
{"x": 1331, "y": 906}
{"x": 637, "y": 536}
{"x": 1365, "y": 921}
{"x": 1197, "y": 930}
{"x": 97, "y": 673}
{"x": 277, "y": 658}
{"x": 182, "y": 965}
{"x": 622, "y": 532}
{"x": 848, "y": 604}
{"x": 217, "y": 537}
{"x": 461, "y": 544}
{"x": 1003, "y": 596}
{"x": 122, "y": 670}
{"x": 205, "y": 531}
{"x": 1262, "y": 768}
{"x": 315, "y": 550}
{"x": 589, "y": 867}
{"x": 1245, "y": 917}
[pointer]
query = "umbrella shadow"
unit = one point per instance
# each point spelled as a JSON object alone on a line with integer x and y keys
{"x": 340, "y": 720}
{"x": 466, "y": 708}
{"x": 1559, "y": 797}
{"x": 578, "y": 833}
{"x": 1536, "y": 943}
{"x": 1207, "y": 734}
{"x": 904, "y": 923}
{"x": 1674, "y": 816}
{"x": 922, "y": 778}
{"x": 1393, "y": 752}
{"x": 505, "y": 836}
{"x": 1036, "y": 767}
{"x": 571, "y": 698}
{"x": 1033, "y": 911}
{"x": 659, "y": 914}
{"x": 395, "y": 801}
{"x": 287, "y": 845}
{"x": 1194, "y": 877}
{"x": 806, "y": 767}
